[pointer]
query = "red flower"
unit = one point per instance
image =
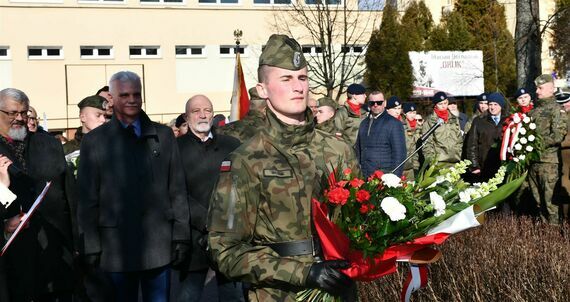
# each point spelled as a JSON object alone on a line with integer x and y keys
{"x": 347, "y": 171}
{"x": 342, "y": 183}
{"x": 403, "y": 178}
{"x": 356, "y": 183}
{"x": 338, "y": 195}
{"x": 376, "y": 175}
{"x": 362, "y": 195}
{"x": 367, "y": 236}
{"x": 364, "y": 208}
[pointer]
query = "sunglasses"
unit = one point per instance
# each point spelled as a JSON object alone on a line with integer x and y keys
{"x": 375, "y": 103}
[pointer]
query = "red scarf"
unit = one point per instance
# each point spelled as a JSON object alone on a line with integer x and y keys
{"x": 443, "y": 114}
{"x": 526, "y": 109}
{"x": 354, "y": 107}
{"x": 413, "y": 123}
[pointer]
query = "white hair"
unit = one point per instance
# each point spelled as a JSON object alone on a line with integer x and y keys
{"x": 15, "y": 95}
{"x": 123, "y": 76}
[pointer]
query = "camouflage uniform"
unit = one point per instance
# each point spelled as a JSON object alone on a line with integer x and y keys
{"x": 446, "y": 142}
{"x": 412, "y": 137}
{"x": 543, "y": 174}
{"x": 266, "y": 198}
{"x": 347, "y": 122}
{"x": 245, "y": 128}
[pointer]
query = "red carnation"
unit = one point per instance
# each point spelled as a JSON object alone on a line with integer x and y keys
{"x": 347, "y": 171}
{"x": 376, "y": 175}
{"x": 356, "y": 183}
{"x": 338, "y": 195}
{"x": 362, "y": 195}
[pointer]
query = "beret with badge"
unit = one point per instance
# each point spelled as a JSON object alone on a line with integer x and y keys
{"x": 439, "y": 97}
{"x": 409, "y": 107}
{"x": 393, "y": 102}
{"x": 356, "y": 89}
{"x": 283, "y": 52}
{"x": 482, "y": 97}
{"x": 94, "y": 101}
{"x": 520, "y": 92}
{"x": 326, "y": 101}
{"x": 543, "y": 79}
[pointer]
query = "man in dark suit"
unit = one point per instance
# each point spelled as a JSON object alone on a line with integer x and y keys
{"x": 203, "y": 151}
{"x": 133, "y": 210}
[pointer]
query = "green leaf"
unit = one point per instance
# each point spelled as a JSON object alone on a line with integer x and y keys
{"x": 495, "y": 197}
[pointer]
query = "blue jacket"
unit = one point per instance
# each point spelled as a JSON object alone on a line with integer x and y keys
{"x": 381, "y": 144}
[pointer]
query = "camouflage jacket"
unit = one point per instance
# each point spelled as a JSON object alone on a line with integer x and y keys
{"x": 264, "y": 196}
{"x": 412, "y": 136}
{"x": 551, "y": 127}
{"x": 245, "y": 128}
{"x": 446, "y": 143}
{"x": 347, "y": 122}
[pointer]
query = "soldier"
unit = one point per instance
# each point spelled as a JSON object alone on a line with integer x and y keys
{"x": 563, "y": 186}
{"x": 313, "y": 104}
{"x": 326, "y": 110}
{"x": 349, "y": 116}
{"x": 259, "y": 219}
{"x": 412, "y": 132}
{"x": 248, "y": 126}
{"x": 550, "y": 125}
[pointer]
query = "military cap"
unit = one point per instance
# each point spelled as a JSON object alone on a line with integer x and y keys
{"x": 521, "y": 91}
{"x": 253, "y": 94}
{"x": 181, "y": 119}
{"x": 409, "y": 107}
{"x": 496, "y": 97}
{"x": 543, "y": 79}
{"x": 562, "y": 95}
{"x": 393, "y": 102}
{"x": 283, "y": 52}
{"x": 482, "y": 97}
{"x": 94, "y": 101}
{"x": 438, "y": 97}
{"x": 326, "y": 101}
{"x": 451, "y": 100}
{"x": 355, "y": 89}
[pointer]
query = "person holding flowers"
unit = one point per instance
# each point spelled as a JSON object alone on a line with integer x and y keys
{"x": 259, "y": 222}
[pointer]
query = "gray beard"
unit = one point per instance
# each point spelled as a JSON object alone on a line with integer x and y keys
{"x": 18, "y": 134}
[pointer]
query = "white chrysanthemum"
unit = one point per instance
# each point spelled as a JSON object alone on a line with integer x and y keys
{"x": 531, "y": 138}
{"x": 529, "y": 148}
{"x": 438, "y": 203}
{"x": 522, "y": 131}
{"x": 391, "y": 180}
{"x": 526, "y": 119}
{"x": 532, "y": 126}
{"x": 516, "y": 119}
{"x": 516, "y": 159}
{"x": 522, "y": 157}
{"x": 523, "y": 140}
{"x": 466, "y": 196}
{"x": 518, "y": 147}
{"x": 393, "y": 208}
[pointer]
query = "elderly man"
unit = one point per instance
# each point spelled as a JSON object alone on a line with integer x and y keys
{"x": 259, "y": 222}
{"x": 133, "y": 208}
{"x": 551, "y": 126}
{"x": 39, "y": 262}
{"x": 202, "y": 153}
{"x": 349, "y": 116}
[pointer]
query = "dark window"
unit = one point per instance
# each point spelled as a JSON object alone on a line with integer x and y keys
{"x": 135, "y": 51}
{"x": 318, "y": 49}
{"x": 345, "y": 49}
{"x": 34, "y": 52}
{"x": 225, "y": 50}
{"x": 180, "y": 50}
{"x": 104, "y": 51}
{"x": 53, "y": 52}
{"x": 196, "y": 51}
{"x": 241, "y": 50}
{"x": 358, "y": 49}
{"x": 86, "y": 51}
{"x": 152, "y": 51}
{"x": 306, "y": 49}
{"x": 261, "y": 1}
{"x": 228, "y": 1}
{"x": 3, "y": 52}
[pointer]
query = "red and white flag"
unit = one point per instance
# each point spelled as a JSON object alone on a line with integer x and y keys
{"x": 240, "y": 99}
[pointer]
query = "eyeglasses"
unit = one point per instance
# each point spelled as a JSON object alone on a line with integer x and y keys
{"x": 14, "y": 114}
{"x": 375, "y": 103}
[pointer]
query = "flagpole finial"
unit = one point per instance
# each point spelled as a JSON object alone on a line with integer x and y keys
{"x": 237, "y": 35}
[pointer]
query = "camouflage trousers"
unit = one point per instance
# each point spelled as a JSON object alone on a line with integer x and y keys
{"x": 542, "y": 178}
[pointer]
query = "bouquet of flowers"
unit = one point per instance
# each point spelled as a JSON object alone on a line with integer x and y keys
{"x": 521, "y": 144}
{"x": 375, "y": 222}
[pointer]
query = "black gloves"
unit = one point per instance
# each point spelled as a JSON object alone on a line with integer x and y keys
{"x": 181, "y": 252}
{"x": 325, "y": 275}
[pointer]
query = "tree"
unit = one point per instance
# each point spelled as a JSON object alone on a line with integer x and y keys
{"x": 561, "y": 38}
{"x": 388, "y": 66}
{"x": 417, "y": 23}
{"x": 452, "y": 33}
{"x": 334, "y": 35}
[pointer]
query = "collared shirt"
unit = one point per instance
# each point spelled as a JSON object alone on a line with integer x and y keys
{"x": 210, "y": 136}
{"x": 496, "y": 119}
{"x": 136, "y": 124}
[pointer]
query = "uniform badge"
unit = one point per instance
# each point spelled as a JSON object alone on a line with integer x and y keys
{"x": 297, "y": 59}
{"x": 397, "y": 103}
{"x": 226, "y": 166}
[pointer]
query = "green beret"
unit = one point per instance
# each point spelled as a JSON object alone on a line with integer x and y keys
{"x": 543, "y": 79}
{"x": 283, "y": 52}
{"x": 326, "y": 101}
{"x": 94, "y": 101}
{"x": 253, "y": 95}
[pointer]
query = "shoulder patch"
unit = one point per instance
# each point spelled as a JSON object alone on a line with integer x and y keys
{"x": 226, "y": 166}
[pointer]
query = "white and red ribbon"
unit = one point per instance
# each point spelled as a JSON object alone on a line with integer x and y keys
{"x": 511, "y": 135}
{"x": 417, "y": 278}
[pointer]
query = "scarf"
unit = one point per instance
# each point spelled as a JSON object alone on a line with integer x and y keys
{"x": 413, "y": 123}
{"x": 526, "y": 109}
{"x": 443, "y": 114}
{"x": 354, "y": 107}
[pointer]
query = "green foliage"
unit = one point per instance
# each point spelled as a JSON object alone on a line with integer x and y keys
{"x": 452, "y": 34}
{"x": 417, "y": 23}
{"x": 388, "y": 66}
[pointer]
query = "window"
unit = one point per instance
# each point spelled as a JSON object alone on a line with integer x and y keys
{"x": 321, "y": 1}
{"x": 352, "y": 49}
{"x": 101, "y": 1}
{"x": 230, "y": 50}
{"x": 4, "y": 52}
{"x": 218, "y": 1}
{"x": 143, "y": 52}
{"x": 312, "y": 49}
{"x": 96, "y": 52}
{"x": 271, "y": 1}
{"x": 45, "y": 52}
{"x": 186, "y": 51}
{"x": 370, "y": 5}
{"x": 163, "y": 1}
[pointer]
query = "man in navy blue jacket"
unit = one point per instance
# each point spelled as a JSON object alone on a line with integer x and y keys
{"x": 381, "y": 144}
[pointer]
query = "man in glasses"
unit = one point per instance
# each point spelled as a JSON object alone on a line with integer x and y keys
{"x": 376, "y": 103}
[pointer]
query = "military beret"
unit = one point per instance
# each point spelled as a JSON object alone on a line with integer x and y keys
{"x": 438, "y": 97}
{"x": 94, "y": 101}
{"x": 496, "y": 97}
{"x": 409, "y": 107}
{"x": 253, "y": 94}
{"x": 283, "y": 52}
{"x": 482, "y": 97}
{"x": 521, "y": 91}
{"x": 355, "y": 89}
{"x": 326, "y": 101}
{"x": 543, "y": 79}
{"x": 393, "y": 102}
{"x": 562, "y": 95}
{"x": 451, "y": 100}
{"x": 181, "y": 119}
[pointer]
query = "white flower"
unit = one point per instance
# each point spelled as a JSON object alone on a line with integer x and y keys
{"x": 529, "y": 148}
{"x": 438, "y": 203}
{"x": 393, "y": 208}
{"x": 516, "y": 159}
{"x": 516, "y": 119}
{"x": 518, "y": 147}
{"x": 523, "y": 140}
{"x": 391, "y": 180}
{"x": 532, "y": 126}
{"x": 522, "y": 157}
{"x": 531, "y": 138}
{"x": 465, "y": 196}
{"x": 522, "y": 131}
{"x": 526, "y": 119}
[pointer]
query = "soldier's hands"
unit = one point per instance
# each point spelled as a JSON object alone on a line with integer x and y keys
{"x": 325, "y": 275}
{"x": 181, "y": 252}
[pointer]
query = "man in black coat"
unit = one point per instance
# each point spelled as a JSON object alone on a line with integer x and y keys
{"x": 203, "y": 152}
{"x": 133, "y": 210}
{"x": 38, "y": 264}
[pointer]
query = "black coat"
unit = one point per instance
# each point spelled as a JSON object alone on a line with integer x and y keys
{"x": 201, "y": 161}
{"x": 484, "y": 144}
{"x": 132, "y": 204}
{"x": 40, "y": 259}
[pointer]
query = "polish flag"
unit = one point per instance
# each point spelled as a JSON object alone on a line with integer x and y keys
{"x": 240, "y": 99}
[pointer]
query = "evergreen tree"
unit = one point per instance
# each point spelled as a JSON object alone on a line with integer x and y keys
{"x": 417, "y": 23}
{"x": 388, "y": 66}
{"x": 452, "y": 33}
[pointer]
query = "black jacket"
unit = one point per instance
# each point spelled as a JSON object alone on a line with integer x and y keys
{"x": 201, "y": 162}
{"x": 132, "y": 204}
{"x": 484, "y": 144}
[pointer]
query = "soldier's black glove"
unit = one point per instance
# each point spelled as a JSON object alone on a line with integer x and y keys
{"x": 181, "y": 252}
{"x": 325, "y": 275}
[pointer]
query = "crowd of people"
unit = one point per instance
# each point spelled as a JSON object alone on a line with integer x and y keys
{"x": 137, "y": 206}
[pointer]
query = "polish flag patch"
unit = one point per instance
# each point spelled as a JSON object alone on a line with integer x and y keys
{"x": 226, "y": 166}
